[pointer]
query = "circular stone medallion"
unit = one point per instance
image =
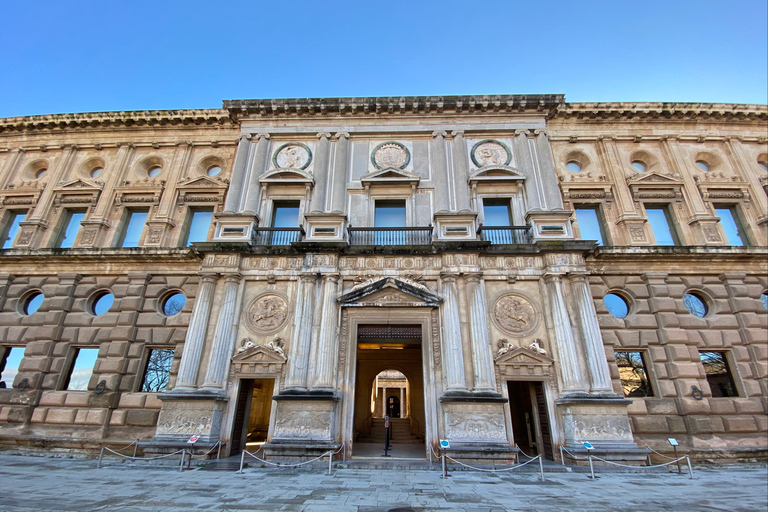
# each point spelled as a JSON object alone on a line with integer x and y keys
{"x": 390, "y": 155}
{"x": 515, "y": 314}
{"x": 490, "y": 152}
{"x": 293, "y": 155}
{"x": 267, "y": 313}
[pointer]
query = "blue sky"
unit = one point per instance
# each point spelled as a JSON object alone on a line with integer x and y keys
{"x": 79, "y": 56}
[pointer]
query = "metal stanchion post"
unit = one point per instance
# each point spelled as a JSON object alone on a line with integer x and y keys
{"x": 445, "y": 465}
{"x": 218, "y": 453}
{"x": 541, "y": 467}
{"x": 680, "y": 471}
{"x": 183, "y": 456}
{"x": 101, "y": 455}
{"x": 242, "y": 458}
{"x": 562, "y": 457}
{"x": 330, "y": 463}
{"x": 690, "y": 468}
{"x": 135, "y": 448}
{"x": 591, "y": 468}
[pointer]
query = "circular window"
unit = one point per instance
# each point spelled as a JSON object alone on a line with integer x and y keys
{"x": 639, "y": 165}
{"x": 174, "y": 303}
{"x": 573, "y": 166}
{"x": 704, "y": 166}
{"x": 695, "y": 305}
{"x": 32, "y": 302}
{"x": 40, "y": 174}
{"x": 764, "y": 298}
{"x": 102, "y": 302}
{"x": 95, "y": 172}
{"x": 763, "y": 166}
{"x": 616, "y": 305}
{"x": 154, "y": 171}
{"x": 213, "y": 171}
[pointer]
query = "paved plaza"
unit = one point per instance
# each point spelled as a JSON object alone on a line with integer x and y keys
{"x": 54, "y": 484}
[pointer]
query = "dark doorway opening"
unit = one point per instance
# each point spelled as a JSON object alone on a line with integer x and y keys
{"x": 530, "y": 422}
{"x": 254, "y": 406}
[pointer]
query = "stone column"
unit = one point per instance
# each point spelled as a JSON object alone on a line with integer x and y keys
{"x": 337, "y": 184}
{"x": 453, "y": 367}
{"x": 570, "y": 369}
{"x": 224, "y": 338}
{"x": 186, "y": 379}
{"x": 260, "y": 162}
{"x": 239, "y": 169}
{"x": 325, "y": 347}
{"x": 482, "y": 361}
{"x": 296, "y": 378}
{"x": 599, "y": 374}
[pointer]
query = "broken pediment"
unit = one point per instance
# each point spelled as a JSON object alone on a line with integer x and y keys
{"x": 287, "y": 176}
{"x": 389, "y": 175}
{"x": 389, "y": 291}
{"x": 257, "y": 359}
{"x": 523, "y": 362}
{"x": 496, "y": 173}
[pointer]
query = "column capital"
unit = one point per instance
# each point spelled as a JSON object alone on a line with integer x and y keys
{"x": 323, "y": 135}
{"x": 551, "y": 277}
{"x": 449, "y": 276}
{"x": 264, "y": 136}
{"x": 340, "y": 135}
{"x": 244, "y": 136}
{"x": 457, "y": 133}
{"x": 209, "y": 276}
{"x": 334, "y": 277}
{"x": 439, "y": 133}
{"x": 232, "y": 277}
{"x": 474, "y": 277}
{"x": 308, "y": 277}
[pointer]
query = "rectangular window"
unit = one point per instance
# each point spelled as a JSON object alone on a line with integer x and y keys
{"x": 9, "y": 365}
{"x": 496, "y": 212}
{"x": 70, "y": 229}
{"x": 157, "y": 371}
{"x": 285, "y": 214}
{"x": 81, "y": 369}
{"x": 634, "y": 375}
{"x": 718, "y": 373}
{"x": 661, "y": 225}
{"x": 11, "y": 228}
{"x": 134, "y": 225}
{"x": 199, "y": 224}
{"x": 731, "y": 225}
{"x": 389, "y": 214}
{"x": 590, "y": 226}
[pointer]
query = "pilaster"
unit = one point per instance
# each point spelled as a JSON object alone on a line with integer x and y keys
{"x": 453, "y": 357}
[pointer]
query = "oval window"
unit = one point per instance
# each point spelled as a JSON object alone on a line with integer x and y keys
{"x": 154, "y": 171}
{"x": 695, "y": 305}
{"x": 213, "y": 171}
{"x": 639, "y": 166}
{"x": 33, "y": 302}
{"x": 616, "y": 305}
{"x": 174, "y": 304}
{"x": 704, "y": 166}
{"x": 102, "y": 303}
{"x": 573, "y": 166}
{"x": 40, "y": 174}
{"x": 95, "y": 172}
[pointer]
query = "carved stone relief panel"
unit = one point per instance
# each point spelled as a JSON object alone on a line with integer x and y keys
{"x": 475, "y": 422}
{"x": 267, "y": 313}
{"x": 304, "y": 420}
{"x": 490, "y": 152}
{"x": 390, "y": 155}
{"x": 292, "y": 155}
{"x": 515, "y": 314}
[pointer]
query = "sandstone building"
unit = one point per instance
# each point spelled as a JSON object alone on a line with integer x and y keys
{"x": 505, "y": 272}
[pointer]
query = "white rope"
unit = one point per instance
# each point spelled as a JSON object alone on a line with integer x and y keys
{"x": 191, "y": 456}
{"x": 594, "y": 457}
{"x": 291, "y": 465}
{"x": 660, "y": 454}
{"x": 127, "y": 446}
{"x": 492, "y": 470}
{"x": 143, "y": 458}
{"x": 525, "y": 454}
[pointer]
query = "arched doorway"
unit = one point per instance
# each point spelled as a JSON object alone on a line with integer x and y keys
{"x": 390, "y": 395}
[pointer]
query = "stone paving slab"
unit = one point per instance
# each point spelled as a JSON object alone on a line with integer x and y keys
{"x": 50, "y": 484}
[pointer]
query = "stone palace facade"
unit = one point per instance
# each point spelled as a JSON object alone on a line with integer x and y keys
{"x": 504, "y": 272}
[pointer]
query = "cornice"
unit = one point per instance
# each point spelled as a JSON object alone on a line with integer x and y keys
{"x": 395, "y": 106}
{"x": 661, "y": 111}
{"x": 123, "y": 119}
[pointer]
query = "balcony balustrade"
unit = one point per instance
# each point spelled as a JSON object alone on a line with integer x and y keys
{"x": 390, "y": 236}
{"x": 278, "y": 236}
{"x": 505, "y": 234}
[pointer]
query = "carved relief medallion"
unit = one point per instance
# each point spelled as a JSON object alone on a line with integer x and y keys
{"x": 267, "y": 313}
{"x": 293, "y": 155}
{"x": 490, "y": 152}
{"x": 390, "y": 155}
{"x": 515, "y": 314}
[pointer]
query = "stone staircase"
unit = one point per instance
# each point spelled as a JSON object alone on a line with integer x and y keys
{"x": 400, "y": 432}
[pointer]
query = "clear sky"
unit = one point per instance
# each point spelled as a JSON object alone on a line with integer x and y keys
{"x": 83, "y": 56}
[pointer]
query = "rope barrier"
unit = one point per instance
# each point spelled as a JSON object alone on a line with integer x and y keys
{"x": 328, "y": 454}
{"x": 217, "y": 445}
{"x": 167, "y": 455}
{"x": 492, "y": 470}
{"x": 594, "y": 457}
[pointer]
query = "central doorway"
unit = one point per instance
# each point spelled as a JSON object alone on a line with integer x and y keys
{"x": 530, "y": 422}
{"x": 389, "y": 382}
{"x": 254, "y": 406}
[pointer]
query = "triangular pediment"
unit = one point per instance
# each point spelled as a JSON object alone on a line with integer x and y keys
{"x": 258, "y": 354}
{"x": 287, "y": 176}
{"x": 496, "y": 173}
{"x": 654, "y": 178}
{"x": 389, "y": 291}
{"x": 79, "y": 184}
{"x": 523, "y": 356}
{"x": 390, "y": 175}
{"x": 202, "y": 181}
